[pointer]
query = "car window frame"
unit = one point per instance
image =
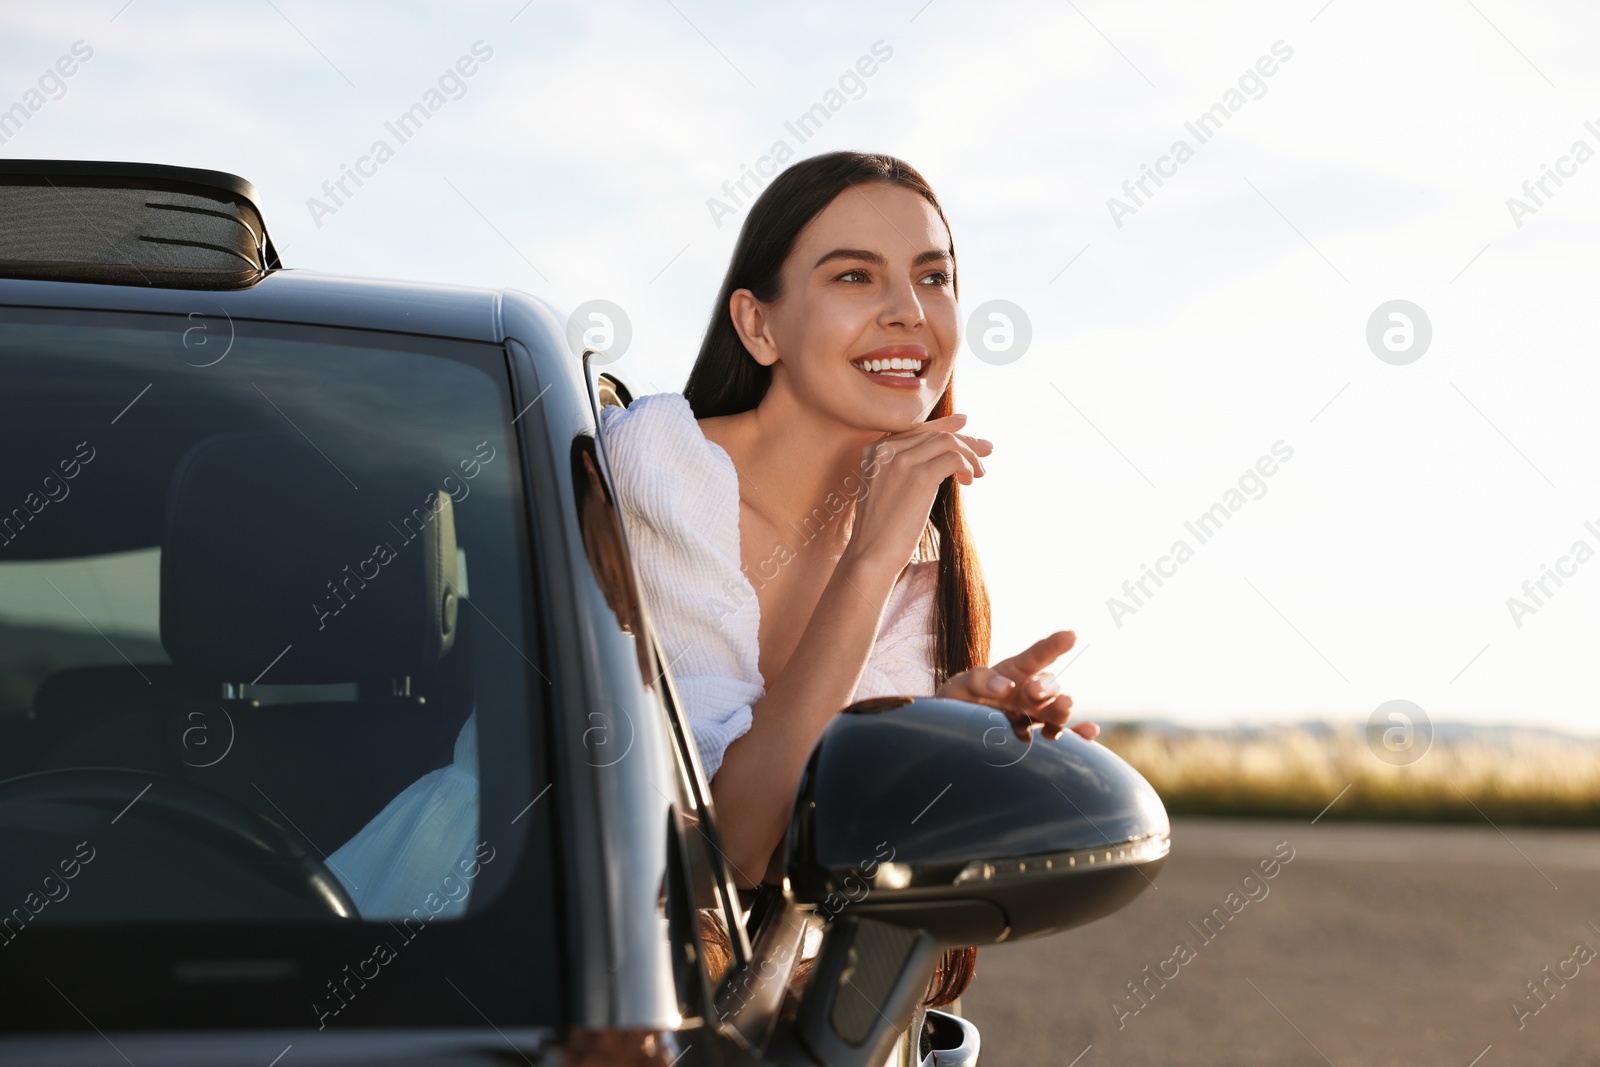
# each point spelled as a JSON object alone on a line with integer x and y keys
{"x": 701, "y": 838}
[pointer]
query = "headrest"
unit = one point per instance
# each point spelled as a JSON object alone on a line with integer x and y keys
{"x": 268, "y": 547}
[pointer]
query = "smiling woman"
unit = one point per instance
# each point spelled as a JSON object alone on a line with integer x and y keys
{"x": 827, "y": 365}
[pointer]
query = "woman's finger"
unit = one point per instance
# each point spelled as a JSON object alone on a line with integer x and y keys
{"x": 919, "y": 446}
{"x": 1042, "y": 687}
{"x": 1018, "y": 702}
{"x": 981, "y": 445}
{"x": 1037, "y": 656}
{"x": 990, "y": 686}
{"x": 1054, "y": 715}
{"x": 947, "y": 424}
{"x": 1051, "y": 713}
{"x": 985, "y": 684}
{"x": 1025, "y": 713}
{"x": 928, "y": 445}
{"x": 1032, "y": 689}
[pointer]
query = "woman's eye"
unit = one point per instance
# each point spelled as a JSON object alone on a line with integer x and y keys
{"x": 853, "y": 275}
{"x": 938, "y": 277}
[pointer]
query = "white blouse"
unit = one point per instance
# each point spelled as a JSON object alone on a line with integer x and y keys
{"x": 679, "y": 491}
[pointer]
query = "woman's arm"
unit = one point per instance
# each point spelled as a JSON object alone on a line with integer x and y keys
{"x": 757, "y": 780}
{"x": 755, "y": 785}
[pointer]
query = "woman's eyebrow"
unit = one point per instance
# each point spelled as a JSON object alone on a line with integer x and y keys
{"x": 878, "y": 260}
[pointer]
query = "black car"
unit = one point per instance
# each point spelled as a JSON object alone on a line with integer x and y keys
{"x": 333, "y": 728}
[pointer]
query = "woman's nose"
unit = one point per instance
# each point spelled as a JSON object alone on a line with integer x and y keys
{"x": 902, "y": 307}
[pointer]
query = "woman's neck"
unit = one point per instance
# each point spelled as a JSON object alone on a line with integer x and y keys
{"x": 796, "y": 466}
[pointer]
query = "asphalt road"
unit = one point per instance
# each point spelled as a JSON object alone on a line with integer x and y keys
{"x": 1374, "y": 945}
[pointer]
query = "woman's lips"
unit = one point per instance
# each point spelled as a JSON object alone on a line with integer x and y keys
{"x": 900, "y": 377}
{"x": 894, "y": 381}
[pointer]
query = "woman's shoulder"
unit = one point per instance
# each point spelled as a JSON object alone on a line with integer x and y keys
{"x": 653, "y": 417}
{"x": 660, "y": 460}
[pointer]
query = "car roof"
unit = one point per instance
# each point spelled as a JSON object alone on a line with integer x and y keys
{"x": 295, "y": 295}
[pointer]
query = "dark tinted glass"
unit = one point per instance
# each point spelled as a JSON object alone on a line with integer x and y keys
{"x": 262, "y": 602}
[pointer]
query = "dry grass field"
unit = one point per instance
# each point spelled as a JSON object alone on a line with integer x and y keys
{"x": 1506, "y": 776}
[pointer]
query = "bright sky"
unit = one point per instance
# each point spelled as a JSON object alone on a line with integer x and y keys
{"x": 1227, "y": 313}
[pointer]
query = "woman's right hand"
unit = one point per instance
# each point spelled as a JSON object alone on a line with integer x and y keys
{"x": 1018, "y": 688}
{"x": 901, "y": 473}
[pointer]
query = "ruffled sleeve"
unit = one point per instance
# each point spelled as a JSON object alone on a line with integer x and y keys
{"x": 680, "y": 497}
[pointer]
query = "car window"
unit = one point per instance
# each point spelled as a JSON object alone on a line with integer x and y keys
{"x": 256, "y": 579}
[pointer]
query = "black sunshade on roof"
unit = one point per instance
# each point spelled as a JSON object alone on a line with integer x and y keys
{"x": 131, "y": 224}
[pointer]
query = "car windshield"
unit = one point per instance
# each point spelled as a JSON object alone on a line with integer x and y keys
{"x": 263, "y": 591}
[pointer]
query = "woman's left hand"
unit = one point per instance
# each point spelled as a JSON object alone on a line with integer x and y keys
{"x": 1018, "y": 687}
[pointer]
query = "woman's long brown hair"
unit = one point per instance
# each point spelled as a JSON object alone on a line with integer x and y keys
{"x": 727, "y": 379}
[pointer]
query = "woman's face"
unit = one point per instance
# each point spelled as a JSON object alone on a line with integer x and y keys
{"x": 869, "y": 278}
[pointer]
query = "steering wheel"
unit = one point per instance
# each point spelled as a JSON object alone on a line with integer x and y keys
{"x": 278, "y": 855}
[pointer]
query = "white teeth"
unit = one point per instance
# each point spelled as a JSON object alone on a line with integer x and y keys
{"x": 900, "y": 368}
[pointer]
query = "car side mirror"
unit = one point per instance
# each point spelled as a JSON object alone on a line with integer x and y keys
{"x": 929, "y": 813}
